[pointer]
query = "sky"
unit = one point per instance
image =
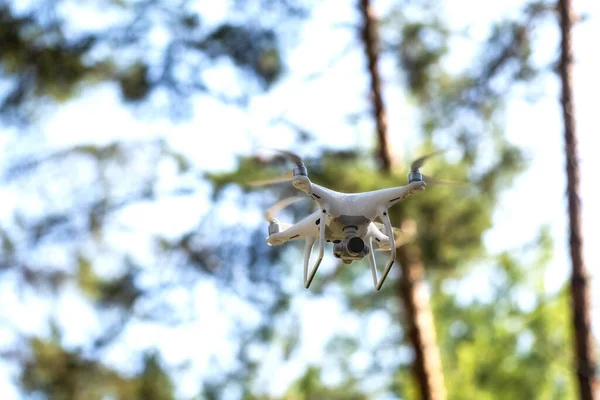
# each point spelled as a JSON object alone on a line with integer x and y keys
{"x": 537, "y": 198}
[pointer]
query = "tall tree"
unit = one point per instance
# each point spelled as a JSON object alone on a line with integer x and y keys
{"x": 369, "y": 38}
{"x": 585, "y": 363}
{"x": 419, "y": 322}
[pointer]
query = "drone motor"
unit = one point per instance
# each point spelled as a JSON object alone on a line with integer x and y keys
{"x": 415, "y": 176}
{"x": 274, "y": 227}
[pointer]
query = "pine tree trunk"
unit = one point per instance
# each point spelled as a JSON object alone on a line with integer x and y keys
{"x": 427, "y": 366}
{"x": 369, "y": 38}
{"x": 580, "y": 289}
{"x": 419, "y": 324}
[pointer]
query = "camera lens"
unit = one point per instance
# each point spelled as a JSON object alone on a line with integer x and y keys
{"x": 356, "y": 245}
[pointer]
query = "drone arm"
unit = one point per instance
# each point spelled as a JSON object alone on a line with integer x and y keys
{"x": 318, "y": 193}
{"x": 308, "y": 278}
{"x": 402, "y": 192}
{"x": 370, "y": 204}
{"x": 302, "y": 229}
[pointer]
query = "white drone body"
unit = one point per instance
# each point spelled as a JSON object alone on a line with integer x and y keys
{"x": 345, "y": 219}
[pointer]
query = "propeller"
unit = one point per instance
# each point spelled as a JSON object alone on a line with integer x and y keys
{"x": 293, "y": 157}
{"x": 281, "y": 204}
{"x": 418, "y": 163}
{"x": 398, "y": 236}
{"x": 415, "y": 174}
{"x": 434, "y": 181}
{"x": 381, "y": 227}
{"x": 288, "y": 176}
{"x": 299, "y": 167}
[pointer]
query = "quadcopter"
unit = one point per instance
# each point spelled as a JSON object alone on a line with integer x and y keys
{"x": 345, "y": 219}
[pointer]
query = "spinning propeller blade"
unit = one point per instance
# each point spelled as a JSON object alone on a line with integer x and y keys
{"x": 277, "y": 179}
{"x": 288, "y": 176}
{"x": 381, "y": 227}
{"x": 293, "y": 157}
{"x": 398, "y": 236}
{"x": 401, "y": 235}
{"x": 275, "y": 208}
{"x": 418, "y": 163}
{"x": 434, "y": 181}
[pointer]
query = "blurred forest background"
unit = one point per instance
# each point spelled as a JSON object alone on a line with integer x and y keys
{"x": 133, "y": 261}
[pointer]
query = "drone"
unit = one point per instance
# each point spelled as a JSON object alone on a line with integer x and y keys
{"x": 345, "y": 219}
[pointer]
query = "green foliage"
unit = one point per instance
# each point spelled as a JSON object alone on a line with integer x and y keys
{"x": 248, "y": 47}
{"x": 87, "y": 279}
{"x": 154, "y": 383}
{"x": 134, "y": 82}
{"x": 513, "y": 341}
{"x": 494, "y": 346}
{"x": 61, "y": 374}
{"x": 309, "y": 387}
{"x": 44, "y": 60}
{"x": 420, "y": 51}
